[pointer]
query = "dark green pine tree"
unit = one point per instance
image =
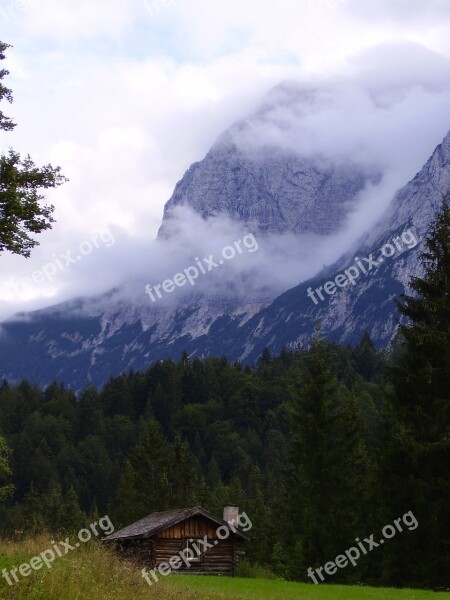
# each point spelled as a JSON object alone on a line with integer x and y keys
{"x": 143, "y": 486}
{"x": 327, "y": 495}
{"x": 422, "y": 376}
{"x": 366, "y": 359}
{"x": 72, "y": 517}
{"x": 260, "y": 517}
{"x": 6, "y": 490}
{"x": 52, "y": 508}
{"x": 149, "y": 461}
{"x": 32, "y": 512}
{"x": 182, "y": 475}
{"x": 416, "y": 467}
{"x": 125, "y": 507}
{"x": 214, "y": 476}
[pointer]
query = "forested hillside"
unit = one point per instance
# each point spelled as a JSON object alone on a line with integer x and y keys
{"x": 181, "y": 434}
{"x": 209, "y": 433}
{"x": 319, "y": 446}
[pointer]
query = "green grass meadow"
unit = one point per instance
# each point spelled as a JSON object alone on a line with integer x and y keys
{"x": 94, "y": 572}
{"x": 253, "y": 589}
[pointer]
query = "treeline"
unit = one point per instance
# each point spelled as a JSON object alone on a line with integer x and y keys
{"x": 320, "y": 445}
{"x": 193, "y": 432}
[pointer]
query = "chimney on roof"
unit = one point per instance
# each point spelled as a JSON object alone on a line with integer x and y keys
{"x": 231, "y": 514}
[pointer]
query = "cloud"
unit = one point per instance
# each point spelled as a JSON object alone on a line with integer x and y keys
{"x": 393, "y": 67}
{"x": 384, "y": 116}
{"x": 126, "y": 100}
{"x": 67, "y": 20}
{"x": 400, "y": 11}
{"x": 367, "y": 116}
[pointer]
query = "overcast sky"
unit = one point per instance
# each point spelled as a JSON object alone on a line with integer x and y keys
{"x": 126, "y": 94}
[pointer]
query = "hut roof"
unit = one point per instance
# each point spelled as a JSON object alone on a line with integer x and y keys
{"x": 156, "y": 522}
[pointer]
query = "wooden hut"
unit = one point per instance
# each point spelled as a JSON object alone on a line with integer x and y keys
{"x": 208, "y": 544}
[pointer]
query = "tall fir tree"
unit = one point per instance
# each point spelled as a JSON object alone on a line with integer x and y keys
{"x": 6, "y": 489}
{"x": 416, "y": 466}
{"x": 328, "y": 493}
{"x": 183, "y": 477}
{"x": 125, "y": 507}
{"x": 72, "y": 517}
{"x": 149, "y": 461}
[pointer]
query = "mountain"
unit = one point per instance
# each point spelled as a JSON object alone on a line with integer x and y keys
{"x": 369, "y": 304}
{"x": 89, "y": 340}
{"x": 270, "y": 189}
{"x": 77, "y": 345}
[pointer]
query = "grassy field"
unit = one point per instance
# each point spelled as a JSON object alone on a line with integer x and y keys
{"x": 253, "y": 589}
{"x": 95, "y": 573}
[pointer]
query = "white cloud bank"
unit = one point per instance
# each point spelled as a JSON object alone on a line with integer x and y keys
{"x": 125, "y": 100}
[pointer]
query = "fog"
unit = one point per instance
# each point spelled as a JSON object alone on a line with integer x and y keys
{"x": 125, "y": 101}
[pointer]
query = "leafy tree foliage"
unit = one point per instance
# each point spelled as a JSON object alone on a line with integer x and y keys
{"x": 22, "y": 213}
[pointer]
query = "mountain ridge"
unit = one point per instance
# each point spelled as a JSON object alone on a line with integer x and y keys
{"x": 70, "y": 344}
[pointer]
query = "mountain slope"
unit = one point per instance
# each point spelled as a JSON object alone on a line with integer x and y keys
{"x": 70, "y": 344}
{"x": 369, "y": 304}
{"x": 270, "y": 189}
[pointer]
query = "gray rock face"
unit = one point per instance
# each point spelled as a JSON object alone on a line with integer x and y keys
{"x": 272, "y": 193}
{"x": 78, "y": 346}
{"x": 271, "y": 190}
{"x": 418, "y": 201}
{"x": 277, "y": 192}
{"x": 369, "y": 304}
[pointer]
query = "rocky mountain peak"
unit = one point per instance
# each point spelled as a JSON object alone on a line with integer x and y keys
{"x": 270, "y": 189}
